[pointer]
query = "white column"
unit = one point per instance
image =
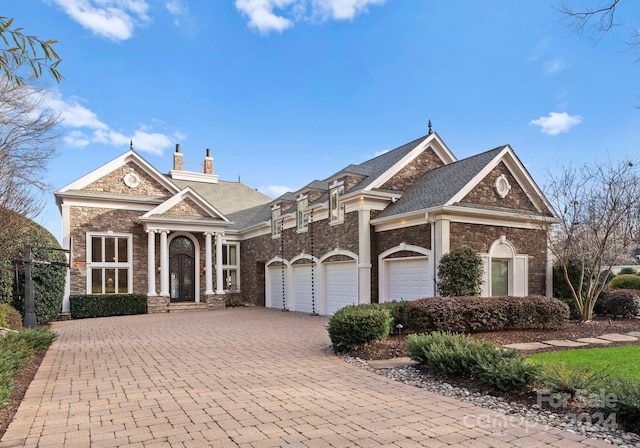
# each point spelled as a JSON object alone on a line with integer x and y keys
{"x": 208, "y": 274}
{"x": 364, "y": 256}
{"x": 151, "y": 263}
{"x": 164, "y": 263}
{"x": 440, "y": 242}
{"x": 219, "y": 273}
{"x": 66, "y": 244}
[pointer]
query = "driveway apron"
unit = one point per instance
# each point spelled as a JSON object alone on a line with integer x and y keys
{"x": 248, "y": 377}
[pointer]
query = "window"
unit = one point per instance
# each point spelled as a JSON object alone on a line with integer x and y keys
{"x": 110, "y": 257}
{"x": 230, "y": 266}
{"x": 276, "y": 222}
{"x": 499, "y": 277}
{"x": 336, "y": 209}
{"x": 302, "y": 216}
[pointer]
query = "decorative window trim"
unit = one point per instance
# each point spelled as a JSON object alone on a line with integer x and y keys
{"x": 227, "y": 268}
{"x": 302, "y": 216}
{"x": 276, "y": 222}
{"x": 103, "y": 265}
{"x": 336, "y": 209}
{"x": 131, "y": 180}
{"x": 502, "y": 186}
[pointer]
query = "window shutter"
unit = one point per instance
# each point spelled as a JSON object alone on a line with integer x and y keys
{"x": 486, "y": 279}
{"x": 521, "y": 276}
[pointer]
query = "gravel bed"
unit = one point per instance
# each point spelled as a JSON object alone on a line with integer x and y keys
{"x": 517, "y": 412}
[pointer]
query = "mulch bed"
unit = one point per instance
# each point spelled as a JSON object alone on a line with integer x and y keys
{"x": 395, "y": 346}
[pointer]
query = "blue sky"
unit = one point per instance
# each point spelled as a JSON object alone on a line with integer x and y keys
{"x": 287, "y": 91}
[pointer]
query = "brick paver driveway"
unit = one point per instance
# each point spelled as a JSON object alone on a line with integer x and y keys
{"x": 239, "y": 377}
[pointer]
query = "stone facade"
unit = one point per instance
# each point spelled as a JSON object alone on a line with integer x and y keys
{"x": 414, "y": 170}
{"x": 113, "y": 183}
{"x": 526, "y": 241}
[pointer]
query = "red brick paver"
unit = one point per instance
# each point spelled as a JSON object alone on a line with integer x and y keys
{"x": 241, "y": 377}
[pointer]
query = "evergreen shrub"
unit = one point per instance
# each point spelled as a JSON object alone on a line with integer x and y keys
{"x": 620, "y": 302}
{"x": 103, "y": 305}
{"x": 625, "y": 281}
{"x": 477, "y": 314}
{"x": 354, "y": 325}
{"x": 460, "y": 273}
{"x": 10, "y": 317}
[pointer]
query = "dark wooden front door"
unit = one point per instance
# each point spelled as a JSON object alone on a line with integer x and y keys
{"x": 182, "y": 270}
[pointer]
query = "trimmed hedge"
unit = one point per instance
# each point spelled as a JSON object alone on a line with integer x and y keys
{"x": 10, "y": 317}
{"x": 477, "y": 314}
{"x": 103, "y": 305}
{"x": 358, "y": 324}
{"x": 620, "y": 302}
{"x": 625, "y": 281}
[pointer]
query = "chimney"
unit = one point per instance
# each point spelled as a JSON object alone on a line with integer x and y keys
{"x": 177, "y": 159}
{"x": 208, "y": 163}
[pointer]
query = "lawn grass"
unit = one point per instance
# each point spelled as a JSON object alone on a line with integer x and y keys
{"x": 621, "y": 362}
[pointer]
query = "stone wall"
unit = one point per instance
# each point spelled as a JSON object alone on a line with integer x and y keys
{"x": 414, "y": 170}
{"x": 526, "y": 241}
{"x": 485, "y": 192}
{"x": 113, "y": 183}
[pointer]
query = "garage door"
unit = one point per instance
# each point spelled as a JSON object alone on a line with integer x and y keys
{"x": 408, "y": 279}
{"x": 274, "y": 293}
{"x": 341, "y": 285}
{"x": 302, "y": 289}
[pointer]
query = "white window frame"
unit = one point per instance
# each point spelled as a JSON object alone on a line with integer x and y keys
{"x": 336, "y": 209}
{"x": 517, "y": 271}
{"x": 231, "y": 267}
{"x": 276, "y": 222}
{"x": 302, "y": 216}
{"x": 102, "y": 265}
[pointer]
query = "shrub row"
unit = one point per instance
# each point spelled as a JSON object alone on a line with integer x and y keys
{"x": 476, "y": 314}
{"x": 103, "y": 305}
{"x": 461, "y": 355}
{"x": 619, "y": 302}
{"x": 625, "y": 281}
{"x": 15, "y": 351}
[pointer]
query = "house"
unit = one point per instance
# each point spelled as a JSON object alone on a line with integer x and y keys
{"x": 372, "y": 232}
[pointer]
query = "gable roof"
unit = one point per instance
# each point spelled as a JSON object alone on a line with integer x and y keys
{"x": 208, "y": 210}
{"x": 227, "y": 197}
{"x": 128, "y": 157}
{"x": 439, "y": 186}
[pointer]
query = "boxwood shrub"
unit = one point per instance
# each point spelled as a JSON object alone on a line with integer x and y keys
{"x": 358, "y": 324}
{"x": 476, "y": 314}
{"x": 620, "y": 302}
{"x": 102, "y": 305}
{"x": 625, "y": 281}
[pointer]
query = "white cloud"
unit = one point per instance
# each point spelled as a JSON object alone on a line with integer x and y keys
{"x": 274, "y": 191}
{"x": 278, "y": 15}
{"x": 554, "y": 66}
{"x": 113, "y": 19}
{"x": 86, "y": 128}
{"x": 557, "y": 122}
{"x": 343, "y": 9}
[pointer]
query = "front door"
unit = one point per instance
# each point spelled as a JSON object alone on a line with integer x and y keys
{"x": 182, "y": 269}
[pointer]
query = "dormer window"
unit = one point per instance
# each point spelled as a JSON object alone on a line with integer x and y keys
{"x": 302, "y": 217}
{"x": 276, "y": 221}
{"x": 336, "y": 209}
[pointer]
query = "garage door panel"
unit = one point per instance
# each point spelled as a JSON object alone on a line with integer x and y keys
{"x": 304, "y": 294}
{"x": 276, "y": 276}
{"x": 341, "y": 285}
{"x": 408, "y": 279}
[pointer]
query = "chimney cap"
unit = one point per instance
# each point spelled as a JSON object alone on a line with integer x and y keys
{"x": 208, "y": 152}
{"x": 177, "y": 147}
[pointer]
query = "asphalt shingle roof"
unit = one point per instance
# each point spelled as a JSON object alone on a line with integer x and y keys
{"x": 227, "y": 197}
{"x": 438, "y": 186}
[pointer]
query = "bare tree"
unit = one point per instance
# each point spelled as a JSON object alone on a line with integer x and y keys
{"x": 599, "y": 210}
{"x": 27, "y": 145}
{"x": 26, "y": 50}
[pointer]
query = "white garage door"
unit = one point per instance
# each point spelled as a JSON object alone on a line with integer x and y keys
{"x": 303, "y": 299}
{"x": 341, "y": 285}
{"x": 274, "y": 292}
{"x": 408, "y": 279}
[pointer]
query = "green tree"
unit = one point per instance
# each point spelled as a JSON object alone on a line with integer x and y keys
{"x": 460, "y": 273}
{"x": 26, "y": 50}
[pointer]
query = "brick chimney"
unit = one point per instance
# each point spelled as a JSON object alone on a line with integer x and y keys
{"x": 208, "y": 163}
{"x": 177, "y": 159}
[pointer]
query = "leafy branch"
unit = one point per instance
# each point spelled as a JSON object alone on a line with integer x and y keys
{"x": 26, "y": 50}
